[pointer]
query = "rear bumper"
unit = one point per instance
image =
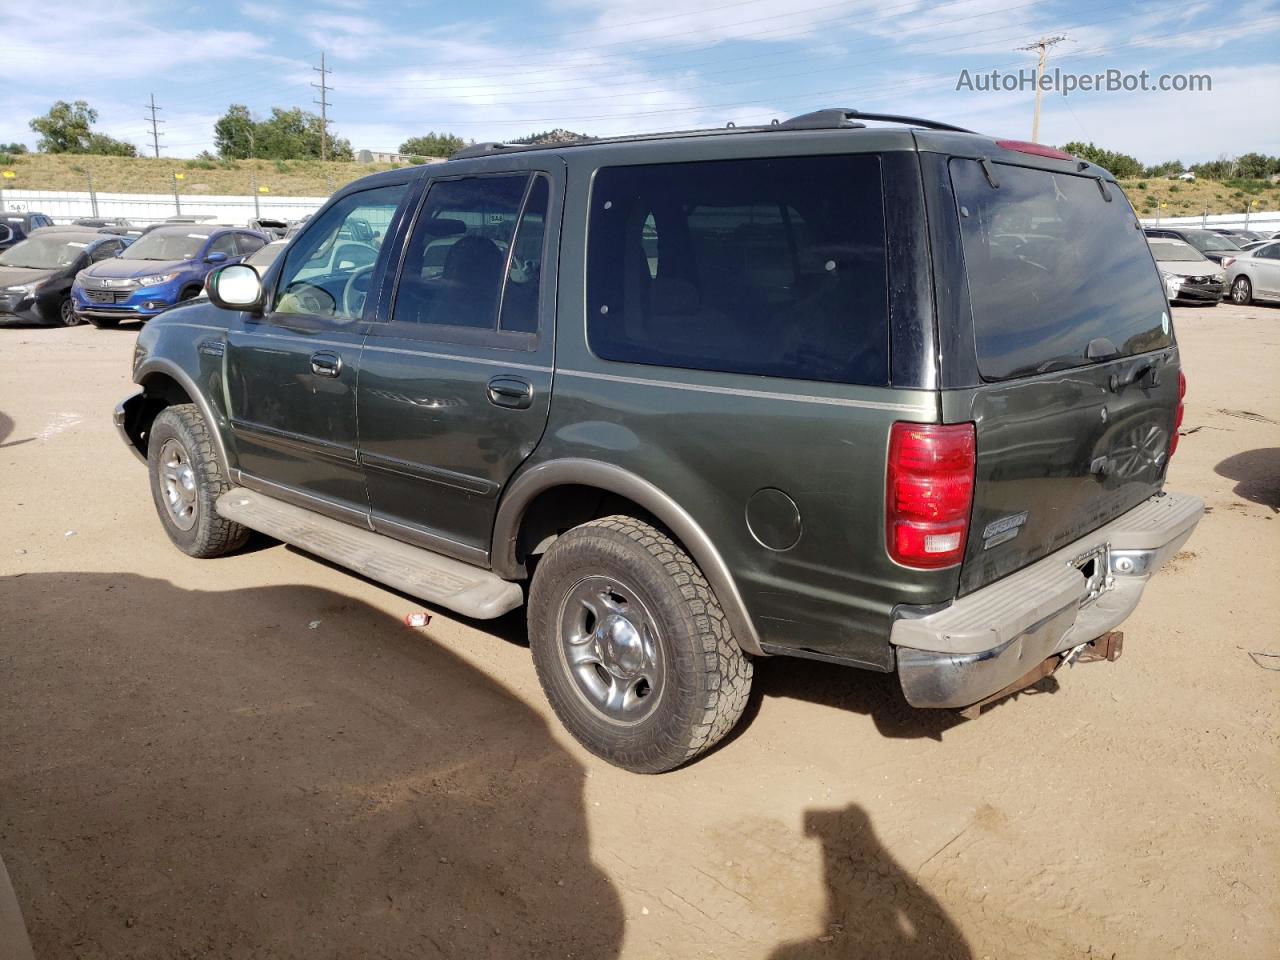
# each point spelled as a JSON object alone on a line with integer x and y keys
{"x": 985, "y": 641}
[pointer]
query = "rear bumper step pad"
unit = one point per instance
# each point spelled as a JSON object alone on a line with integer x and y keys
{"x": 436, "y": 579}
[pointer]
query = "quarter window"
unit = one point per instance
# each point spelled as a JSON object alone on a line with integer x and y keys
{"x": 329, "y": 266}
{"x": 774, "y": 267}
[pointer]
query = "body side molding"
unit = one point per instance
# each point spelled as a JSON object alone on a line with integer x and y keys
{"x": 594, "y": 473}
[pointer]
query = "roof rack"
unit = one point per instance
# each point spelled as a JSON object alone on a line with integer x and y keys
{"x": 832, "y": 118}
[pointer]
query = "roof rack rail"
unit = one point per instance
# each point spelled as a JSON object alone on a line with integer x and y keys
{"x": 848, "y": 118}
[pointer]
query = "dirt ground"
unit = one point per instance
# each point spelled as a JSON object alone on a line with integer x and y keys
{"x": 254, "y": 757}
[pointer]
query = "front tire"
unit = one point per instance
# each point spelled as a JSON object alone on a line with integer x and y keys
{"x": 186, "y": 481}
{"x": 67, "y": 313}
{"x": 1241, "y": 291}
{"x": 632, "y": 648}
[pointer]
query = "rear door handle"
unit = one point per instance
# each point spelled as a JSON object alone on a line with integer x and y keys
{"x": 511, "y": 392}
{"x": 325, "y": 364}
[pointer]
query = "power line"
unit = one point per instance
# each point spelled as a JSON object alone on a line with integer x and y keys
{"x": 324, "y": 107}
{"x": 155, "y": 130}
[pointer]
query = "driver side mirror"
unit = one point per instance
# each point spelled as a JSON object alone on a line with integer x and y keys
{"x": 216, "y": 257}
{"x": 236, "y": 286}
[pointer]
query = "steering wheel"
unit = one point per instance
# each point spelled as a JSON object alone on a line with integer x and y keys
{"x": 348, "y": 292}
{"x": 310, "y": 298}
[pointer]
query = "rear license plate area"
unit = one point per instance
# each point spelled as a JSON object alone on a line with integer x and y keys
{"x": 1095, "y": 566}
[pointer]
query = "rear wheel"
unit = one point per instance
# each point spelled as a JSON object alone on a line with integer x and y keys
{"x": 186, "y": 481}
{"x": 1242, "y": 291}
{"x": 632, "y": 648}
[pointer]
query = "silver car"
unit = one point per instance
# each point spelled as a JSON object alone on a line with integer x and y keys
{"x": 1189, "y": 276}
{"x": 1254, "y": 275}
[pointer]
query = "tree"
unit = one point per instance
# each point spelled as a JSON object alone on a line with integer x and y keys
{"x": 1170, "y": 168}
{"x": 1121, "y": 165}
{"x": 1256, "y": 166}
{"x": 285, "y": 135}
{"x": 68, "y": 128}
{"x": 13, "y": 148}
{"x": 432, "y": 145}
{"x": 1224, "y": 168}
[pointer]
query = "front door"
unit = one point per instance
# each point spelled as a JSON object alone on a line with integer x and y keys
{"x": 455, "y": 379}
{"x": 291, "y": 373}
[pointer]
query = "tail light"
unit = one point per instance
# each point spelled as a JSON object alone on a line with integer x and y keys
{"x": 929, "y": 493}
{"x": 1177, "y": 417}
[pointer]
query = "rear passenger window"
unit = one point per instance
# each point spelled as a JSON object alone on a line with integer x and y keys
{"x": 459, "y": 252}
{"x": 774, "y": 267}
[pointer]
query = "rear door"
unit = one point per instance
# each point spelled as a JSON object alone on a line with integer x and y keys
{"x": 455, "y": 380}
{"x": 1266, "y": 268}
{"x": 1075, "y": 366}
{"x": 291, "y": 373}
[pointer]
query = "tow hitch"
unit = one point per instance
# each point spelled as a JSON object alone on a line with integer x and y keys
{"x": 1107, "y": 647}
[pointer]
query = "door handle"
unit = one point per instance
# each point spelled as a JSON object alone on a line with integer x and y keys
{"x": 325, "y": 364}
{"x": 511, "y": 392}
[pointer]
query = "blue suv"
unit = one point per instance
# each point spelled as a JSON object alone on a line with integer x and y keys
{"x": 165, "y": 266}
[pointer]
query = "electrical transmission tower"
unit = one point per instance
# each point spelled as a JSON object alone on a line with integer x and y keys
{"x": 1042, "y": 47}
{"x": 155, "y": 129}
{"x": 324, "y": 89}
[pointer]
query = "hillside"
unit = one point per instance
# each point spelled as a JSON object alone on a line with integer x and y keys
{"x": 296, "y": 178}
{"x": 311, "y": 178}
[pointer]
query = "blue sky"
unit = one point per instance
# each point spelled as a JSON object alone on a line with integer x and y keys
{"x": 498, "y": 70}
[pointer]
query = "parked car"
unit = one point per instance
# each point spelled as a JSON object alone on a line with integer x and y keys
{"x": 15, "y": 227}
{"x": 792, "y": 426}
{"x": 1215, "y": 246}
{"x": 267, "y": 255}
{"x": 1237, "y": 234}
{"x": 129, "y": 231}
{"x": 102, "y": 222}
{"x": 1253, "y": 245}
{"x": 1255, "y": 275}
{"x": 36, "y": 275}
{"x": 161, "y": 268}
{"x": 1189, "y": 276}
{"x": 272, "y": 227}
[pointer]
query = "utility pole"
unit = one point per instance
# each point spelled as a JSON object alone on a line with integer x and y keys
{"x": 324, "y": 89}
{"x": 155, "y": 130}
{"x": 1042, "y": 47}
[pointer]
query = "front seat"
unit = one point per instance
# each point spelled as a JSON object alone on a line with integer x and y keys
{"x": 472, "y": 279}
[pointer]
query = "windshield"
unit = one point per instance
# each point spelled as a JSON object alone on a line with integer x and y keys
{"x": 1206, "y": 240}
{"x": 44, "y": 253}
{"x": 167, "y": 246}
{"x": 1053, "y": 266}
{"x": 1169, "y": 250}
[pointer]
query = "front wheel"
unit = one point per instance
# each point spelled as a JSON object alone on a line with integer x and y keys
{"x": 1242, "y": 291}
{"x": 632, "y": 648}
{"x": 67, "y": 313}
{"x": 186, "y": 481}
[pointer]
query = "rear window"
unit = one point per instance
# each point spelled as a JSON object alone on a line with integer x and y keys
{"x": 774, "y": 267}
{"x": 1053, "y": 266}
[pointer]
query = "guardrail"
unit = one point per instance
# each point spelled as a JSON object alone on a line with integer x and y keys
{"x": 143, "y": 208}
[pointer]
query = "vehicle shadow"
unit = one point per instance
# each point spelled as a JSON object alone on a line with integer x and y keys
{"x": 280, "y": 771}
{"x": 6, "y": 428}
{"x": 875, "y": 909}
{"x": 1257, "y": 475}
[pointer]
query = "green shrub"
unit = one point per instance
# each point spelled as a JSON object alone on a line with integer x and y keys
{"x": 1142, "y": 184}
{"x": 282, "y": 166}
{"x": 1174, "y": 188}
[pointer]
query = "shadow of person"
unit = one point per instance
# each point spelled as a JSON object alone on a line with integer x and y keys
{"x": 280, "y": 771}
{"x": 875, "y": 910}
{"x": 1257, "y": 475}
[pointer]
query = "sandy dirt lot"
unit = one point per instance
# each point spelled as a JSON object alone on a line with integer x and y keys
{"x": 254, "y": 757}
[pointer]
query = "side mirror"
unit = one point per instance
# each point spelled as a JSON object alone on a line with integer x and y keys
{"x": 216, "y": 257}
{"x": 236, "y": 286}
{"x": 120, "y": 252}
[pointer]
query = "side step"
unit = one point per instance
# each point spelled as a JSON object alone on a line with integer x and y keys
{"x": 438, "y": 580}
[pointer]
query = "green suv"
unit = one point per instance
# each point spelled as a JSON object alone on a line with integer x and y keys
{"x": 863, "y": 394}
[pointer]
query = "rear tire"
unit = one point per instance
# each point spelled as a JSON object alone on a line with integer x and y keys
{"x": 186, "y": 481}
{"x": 104, "y": 323}
{"x": 632, "y": 648}
{"x": 1241, "y": 291}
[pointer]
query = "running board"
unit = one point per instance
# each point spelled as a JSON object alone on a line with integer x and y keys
{"x": 428, "y": 576}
